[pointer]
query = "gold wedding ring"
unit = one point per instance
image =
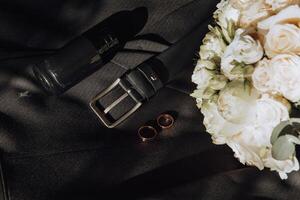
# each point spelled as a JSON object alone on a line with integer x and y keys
{"x": 165, "y": 121}
{"x": 147, "y": 133}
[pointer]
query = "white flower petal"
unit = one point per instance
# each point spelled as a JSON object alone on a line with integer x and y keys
{"x": 225, "y": 13}
{"x": 290, "y": 14}
{"x": 262, "y": 77}
{"x": 287, "y": 73}
{"x": 255, "y": 12}
{"x": 243, "y": 49}
{"x": 282, "y": 39}
{"x": 282, "y": 167}
{"x": 277, "y": 5}
{"x": 236, "y": 104}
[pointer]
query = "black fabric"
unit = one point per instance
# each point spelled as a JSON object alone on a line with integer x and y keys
{"x": 85, "y": 54}
{"x": 55, "y": 148}
{"x": 62, "y": 70}
{"x": 153, "y": 74}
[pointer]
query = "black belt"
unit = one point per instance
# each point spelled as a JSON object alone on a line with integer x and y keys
{"x": 143, "y": 82}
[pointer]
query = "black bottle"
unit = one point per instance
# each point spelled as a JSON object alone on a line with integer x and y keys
{"x": 85, "y": 54}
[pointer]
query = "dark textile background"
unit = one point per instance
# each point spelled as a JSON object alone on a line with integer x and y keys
{"x": 55, "y": 148}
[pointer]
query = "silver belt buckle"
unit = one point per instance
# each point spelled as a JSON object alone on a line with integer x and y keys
{"x": 102, "y": 114}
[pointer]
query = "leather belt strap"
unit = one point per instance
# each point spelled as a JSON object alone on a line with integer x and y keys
{"x": 144, "y": 81}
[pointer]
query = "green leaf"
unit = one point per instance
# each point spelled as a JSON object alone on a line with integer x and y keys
{"x": 278, "y": 130}
{"x": 210, "y": 65}
{"x": 237, "y": 70}
{"x": 248, "y": 70}
{"x": 218, "y": 82}
{"x": 295, "y": 120}
{"x": 231, "y": 29}
{"x": 293, "y": 139}
{"x": 214, "y": 98}
{"x": 228, "y": 33}
{"x": 247, "y": 87}
{"x": 208, "y": 93}
{"x": 284, "y": 148}
{"x": 197, "y": 94}
{"x": 283, "y": 142}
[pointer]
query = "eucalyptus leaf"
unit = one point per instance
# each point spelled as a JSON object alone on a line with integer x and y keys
{"x": 214, "y": 98}
{"x": 226, "y": 35}
{"x": 218, "y": 82}
{"x": 208, "y": 93}
{"x": 249, "y": 69}
{"x": 237, "y": 70}
{"x": 231, "y": 29}
{"x": 283, "y": 148}
{"x": 293, "y": 139}
{"x": 247, "y": 87}
{"x": 278, "y": 129}
{"x": 295, "y": 120}
{"x": 207, "y": 64}
{"x": 197, "y": 94}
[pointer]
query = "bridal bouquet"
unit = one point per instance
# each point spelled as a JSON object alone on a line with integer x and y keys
{"x": 248, "y": 81}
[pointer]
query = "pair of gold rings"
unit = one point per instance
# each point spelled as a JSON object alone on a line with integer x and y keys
{"x": 148, "y": 133}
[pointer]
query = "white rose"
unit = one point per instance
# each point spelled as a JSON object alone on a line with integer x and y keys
{"x": 236, "y": 102}
{"x": 251, "y": 11}
{"x": 252, "y": 145}
{"x": 280, "y": 74}
{"x": 249, "y": 140}
{"x": 282, "y": 167}
{"x": 213, "y": 46}
{"x": 270, "y": 112}
{"x": 255, "y": 12}
{"x": 262, "y": 77}
{"x": 216, "y": 125}
{"x": 225, "y": 13}
{"x": 277, "y": 5}
{"x": 287, "y": 73}
{"x": 289, "y": 15}
{"x": 282, "y": 39}
{"x": 202, "y": 78}
{"x": 243, "y": 49}
{"x": 220, "y": 118}
{"x": 243, "y": 151}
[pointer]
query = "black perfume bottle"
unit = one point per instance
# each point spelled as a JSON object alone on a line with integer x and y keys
{"x": 87, "y": 53}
